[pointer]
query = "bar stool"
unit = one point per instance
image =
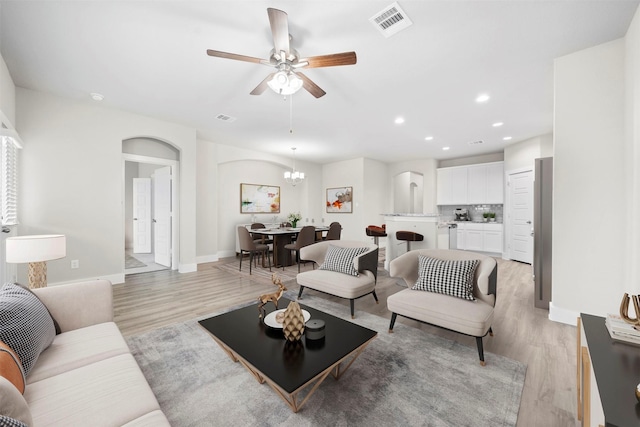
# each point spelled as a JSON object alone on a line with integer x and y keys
{"x": 376, "y": 232}
{"x": 409, "y": 236}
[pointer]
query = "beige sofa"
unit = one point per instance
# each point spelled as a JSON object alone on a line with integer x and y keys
{"x": 336, "y": 283}
{"x": 472, "y": 318}
{"x": 87, "y": 376}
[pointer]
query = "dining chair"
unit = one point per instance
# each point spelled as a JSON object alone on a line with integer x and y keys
{"x": 260, "y": 239}
{"x": 335, "y": 229}
{"x": 247, "y": 244}
{"x": 306, "y": 237}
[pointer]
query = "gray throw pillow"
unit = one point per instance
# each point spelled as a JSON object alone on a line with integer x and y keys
{"x": 25, "y": 324}
{"x": 341, "y": 259}
{"x": 449, "y": 277}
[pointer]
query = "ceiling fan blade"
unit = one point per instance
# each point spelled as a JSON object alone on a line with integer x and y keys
{"x": 310, "y": 86}
{"x": 262, "y": 86}
{"x": 235, "y": 56}
{"x": 280, "y": 29}
{"x": 335, "y": 59}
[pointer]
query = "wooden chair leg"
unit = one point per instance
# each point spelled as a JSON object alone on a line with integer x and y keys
{"x": 241, "y": 256}
{"x": 352, "y": 305}
{"x": 300, "y": 292}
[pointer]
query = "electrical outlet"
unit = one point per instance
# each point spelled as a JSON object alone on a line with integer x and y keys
{"x": 75, "y": 263}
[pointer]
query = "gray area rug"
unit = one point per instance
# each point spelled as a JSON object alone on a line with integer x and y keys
{"x": 408, "y": 378}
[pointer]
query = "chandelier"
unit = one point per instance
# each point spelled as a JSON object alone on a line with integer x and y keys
{"x": 293, "y": 177}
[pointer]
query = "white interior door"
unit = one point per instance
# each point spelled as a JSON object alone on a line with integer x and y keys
{"x": 520, "y": 217}
{"x": 162, "y": 215}
{"x": 141, "y": 215}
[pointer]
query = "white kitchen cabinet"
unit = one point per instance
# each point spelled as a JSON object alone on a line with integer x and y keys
{"x": 460, "y": 241}
{"x": 492, "y": 238}
{"x": 471, "y": 185}
{"x": 452, "y": 186}
{"x": 480, "y": 237}
{"x": 495, "y": 183}
{"x": 476, "y": 184}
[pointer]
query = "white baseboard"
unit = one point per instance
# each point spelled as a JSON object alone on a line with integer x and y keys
{"x": 226, "y": 254}
{"x": 113, "y": 278}
{"x": 207, "y": 258}
{"x": 562, "y": 315}
{"x": 187, "y": 268}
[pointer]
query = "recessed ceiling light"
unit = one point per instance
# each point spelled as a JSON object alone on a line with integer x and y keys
{"x": 507, "y": 138}
{"x": 429, "y": 138}
{"x": 399, "y": 120}
{"x": 482, "y": 98}
{"x": 497, "y": 124}
{"x": 445, "y": 148}
{"x": 96, "y": 96}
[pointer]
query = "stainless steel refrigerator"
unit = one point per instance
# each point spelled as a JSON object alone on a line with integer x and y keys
{"x": 542, "y": 230}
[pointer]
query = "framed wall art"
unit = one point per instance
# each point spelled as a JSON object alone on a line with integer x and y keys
{"x": 255, "y": 198}
{"x": 340, "y": 200}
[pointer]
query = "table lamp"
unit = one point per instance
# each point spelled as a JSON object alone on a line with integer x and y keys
{"x": 36, "y": 250}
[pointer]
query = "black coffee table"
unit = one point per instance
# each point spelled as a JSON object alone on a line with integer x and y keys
{"x": 289, "y": 368}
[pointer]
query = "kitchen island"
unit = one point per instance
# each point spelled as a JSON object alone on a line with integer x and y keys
{"x": 425, "y": 224}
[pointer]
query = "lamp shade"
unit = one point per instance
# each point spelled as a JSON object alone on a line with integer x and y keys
{"x": 39, "y": 248}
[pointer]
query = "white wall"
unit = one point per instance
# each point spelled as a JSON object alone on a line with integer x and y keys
{"x": 428, "y": 168}
{"x": 522, "y": 155}
{"x": 347, "y": 173}
{"x": 632, "y": 142}
{"x": 71, "y": 180}
{"x": 207, "y": 202}
{"x": 7, "y": 96}
{"x": 589, "y": 245}
{"x": 376, "y": 198}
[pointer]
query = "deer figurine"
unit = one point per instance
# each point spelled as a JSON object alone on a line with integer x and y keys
{"x": 274, "y": 297}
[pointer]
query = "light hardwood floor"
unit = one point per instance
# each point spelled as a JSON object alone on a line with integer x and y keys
{"x": 521, "y": 332}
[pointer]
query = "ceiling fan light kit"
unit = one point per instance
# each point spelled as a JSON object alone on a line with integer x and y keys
{"x": 287, "y": 79}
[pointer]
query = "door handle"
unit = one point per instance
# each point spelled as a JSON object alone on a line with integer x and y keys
{"x": 532, "y": 234}
{"x": 528, "y": 222}
{"x": 135, "y": 219}
{"x": 154, "y": 220}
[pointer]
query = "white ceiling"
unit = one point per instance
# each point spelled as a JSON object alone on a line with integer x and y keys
{"x": 149, "y": 57}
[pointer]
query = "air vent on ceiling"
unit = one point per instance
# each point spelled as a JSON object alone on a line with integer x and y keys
{"x": 391, "y": 20}
{"x": 225, "y": 118}
{"x": 478, "y": 142}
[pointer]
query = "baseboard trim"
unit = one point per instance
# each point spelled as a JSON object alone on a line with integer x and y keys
{"x": 562, "y": 315}
{"x": 207, "y": 258}
{"x": 113, "y": 278}
{"x": 187, "y": 268}
{"x": 226, "y": 254}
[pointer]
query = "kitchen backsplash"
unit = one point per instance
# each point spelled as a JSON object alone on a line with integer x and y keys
{"x": 475, "y": 211}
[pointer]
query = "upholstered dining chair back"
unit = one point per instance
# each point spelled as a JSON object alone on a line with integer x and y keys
{"x": 260, "y": 238}
{"x": 306, "y": 237}
{"x": 246, "y": 241}
{"x": 335, "y": 229}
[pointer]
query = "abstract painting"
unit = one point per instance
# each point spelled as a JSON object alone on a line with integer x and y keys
{"x": 256, "y": 198}
{"x": 339, "y": 200}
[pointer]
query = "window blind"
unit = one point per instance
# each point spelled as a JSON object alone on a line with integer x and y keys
{"x": 8, "y": 181}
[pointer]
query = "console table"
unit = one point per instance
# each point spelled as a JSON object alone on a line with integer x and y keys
{"x": 607, "y": 374}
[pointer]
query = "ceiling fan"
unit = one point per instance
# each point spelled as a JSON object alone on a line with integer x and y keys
{"x": 287, "y": 80}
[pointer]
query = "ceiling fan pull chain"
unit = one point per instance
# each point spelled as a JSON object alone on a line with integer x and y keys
{"x": 290, "y": 113}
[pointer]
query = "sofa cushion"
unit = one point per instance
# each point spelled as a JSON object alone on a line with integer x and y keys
{"x": 13, "y": 404}
{"x": 453, "y": 277}
{"x": 25, "y": 324}
{"x": 341, "y": 285}
{"x": 110, "y": 392}
{"x": 79, "y": 347}
{"x": 11, "y": 368}
{"x": 468, "y": 317}
{"x": 340, "y": 259}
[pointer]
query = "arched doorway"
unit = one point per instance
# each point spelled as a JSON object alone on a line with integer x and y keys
{"x": 150, "y": 205}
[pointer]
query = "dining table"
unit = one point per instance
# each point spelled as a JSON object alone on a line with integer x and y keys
{"x": 283, "y": 236}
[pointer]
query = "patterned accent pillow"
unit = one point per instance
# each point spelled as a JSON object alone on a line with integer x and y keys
{"x": 11, "y": 422}
{"x": 11, "y": 368}
{"x": 25, "y": 324}
{"x": 454, "y": 277}
{"x": 341, "y": 259}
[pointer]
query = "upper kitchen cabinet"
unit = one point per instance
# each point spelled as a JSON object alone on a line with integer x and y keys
{"x": 452, "y": 186}
{"x": 471, "y": 185}
{"x": 486, "y": 184}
